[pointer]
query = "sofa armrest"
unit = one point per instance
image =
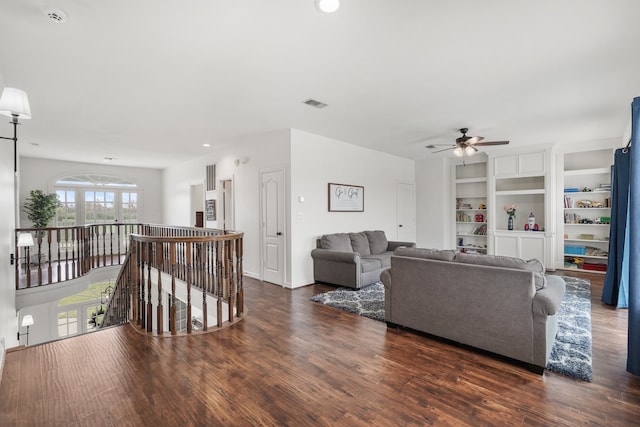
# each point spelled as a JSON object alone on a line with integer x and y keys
{"x": 392, "y": 246}
{"x": 385, "y": 277}
{"x": 547, "y": 300}
{"x": 338, "y": 256}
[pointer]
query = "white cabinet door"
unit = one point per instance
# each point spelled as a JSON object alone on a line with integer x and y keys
{"x": 506, "y": 165}
{"x": 525, "y": 245}
{"x": 531, "y": 163}
{"x": 526, "y": 164}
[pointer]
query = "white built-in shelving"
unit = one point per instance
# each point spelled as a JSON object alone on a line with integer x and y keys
{"x": 523, "y": 179}
{"x": 587, "y": 209}
{"x": 471, "y": 206}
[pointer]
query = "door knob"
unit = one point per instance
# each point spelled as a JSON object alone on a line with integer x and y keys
{"x": 279, "y": 233}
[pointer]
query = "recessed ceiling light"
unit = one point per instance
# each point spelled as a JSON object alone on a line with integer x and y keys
{"x": 58, "y": 16}
{"x": 327, "y": 6}
{"x": 315, "y": 103}
{"x": 206, "y": 145}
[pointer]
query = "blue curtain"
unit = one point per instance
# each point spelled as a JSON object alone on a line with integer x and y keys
{"x": 633, "y": 346}
{"x": 622, "y": 282}
{"x": 616, "y": 273}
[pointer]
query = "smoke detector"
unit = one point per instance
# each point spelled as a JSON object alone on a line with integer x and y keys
{"x": 58, "y": 16}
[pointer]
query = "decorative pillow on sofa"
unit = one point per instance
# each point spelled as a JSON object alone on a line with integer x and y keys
{"x": 507, "y": 262}
{"x": 437, "y": 254}
{"x": 360, "y": 243}
{"x": 336, "y": 242}
{"x": 378, "y": 242}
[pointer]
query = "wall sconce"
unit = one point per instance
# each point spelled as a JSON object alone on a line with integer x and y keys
{"x": 25, "y": 240}
{"x": 27, "y": 321}
{"x": 15, "y": 104}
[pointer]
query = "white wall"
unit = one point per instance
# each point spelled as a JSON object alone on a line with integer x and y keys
{"x": 42, "y": 174}
{"x": 433, "y": 203}
{"x": 267, "y": 150}
{"x": 317, "y": 161}
{"x": 8, "y": 320}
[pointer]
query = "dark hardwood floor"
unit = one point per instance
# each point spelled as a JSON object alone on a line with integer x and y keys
{"x": 292, "y": 362}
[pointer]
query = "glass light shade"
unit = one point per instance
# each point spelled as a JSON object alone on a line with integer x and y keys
{"x": 469, "y": 150}
{"x": 27, "y": 320}
{"x": 458, "y": 151}
{"x": 14, "y": 103}
{"x": 25, "y": 239}
{"x": 327, "y": 6}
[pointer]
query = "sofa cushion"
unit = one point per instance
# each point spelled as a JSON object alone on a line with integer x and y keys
{"x": 360, "y": 243}
{"x": 437, "y": 254}
{"x": 369, "y": 264}
{"x": 507, "y": 262}
{"x": 378, "y": 242}
{"x": 384, "y": 258}
{"x": 336, "y": 242}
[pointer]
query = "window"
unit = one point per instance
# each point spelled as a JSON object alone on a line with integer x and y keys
{"x": 67, "y": 211}
{"x": 129, "y": 206}
{"x": 67, "y": 323}
{"x": 83, "y": 311}
{"x": 96, "y": 199}
{"x": 99, "y": 207}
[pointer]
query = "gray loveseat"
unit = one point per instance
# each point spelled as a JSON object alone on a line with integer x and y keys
{"x": 353, "y": 259}
{"x": 502, "y": 305}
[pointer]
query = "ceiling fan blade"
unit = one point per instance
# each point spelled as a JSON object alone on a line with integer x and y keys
{"x": 474, "y": 140}
{"x": 444, "y": 149}
{"x": 438, "y": 145}
{"x": 492, "y": 143}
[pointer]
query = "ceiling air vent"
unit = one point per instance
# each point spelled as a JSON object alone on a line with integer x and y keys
{"x": 315, "y": 103}
{"x": 58, "y": 16}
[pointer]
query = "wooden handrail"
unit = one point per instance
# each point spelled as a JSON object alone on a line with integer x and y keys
{"x": 206, "y": 260}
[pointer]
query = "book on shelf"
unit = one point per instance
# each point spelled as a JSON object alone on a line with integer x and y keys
{"x": 571, "y": 190}
{"x": 463, "y": 217}
{"x": 568, "y": 202}
{"x": 481, "y": 231}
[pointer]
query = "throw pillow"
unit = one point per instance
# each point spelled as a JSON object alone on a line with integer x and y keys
{"x": 336, "y": 242}
{"x": 360, "y": 243}
{"x": 378, "y": 242}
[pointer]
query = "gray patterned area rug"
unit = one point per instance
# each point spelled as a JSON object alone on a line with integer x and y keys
{"x": 571, "y": 354}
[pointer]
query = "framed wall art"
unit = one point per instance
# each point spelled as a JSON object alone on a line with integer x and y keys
{"x": 346, "y": 198}
{"x": 210, "y": 210}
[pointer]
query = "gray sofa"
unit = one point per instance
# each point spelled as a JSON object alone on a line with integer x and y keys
{"x": 502, "y": 305}
{"x": 353, "y": 259}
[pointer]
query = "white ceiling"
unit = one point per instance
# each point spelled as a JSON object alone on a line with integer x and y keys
{"x": 149, "y": 81}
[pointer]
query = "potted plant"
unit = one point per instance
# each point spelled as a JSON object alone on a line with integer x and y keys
{"x": 40, "y": 209}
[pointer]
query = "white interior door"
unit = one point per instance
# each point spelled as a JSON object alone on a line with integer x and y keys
{"x": 273, "y": 223}
{"x": 406, "y": 213}
{"x": 226, "y": 210}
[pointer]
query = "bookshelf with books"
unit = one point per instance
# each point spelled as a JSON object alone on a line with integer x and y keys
{"x": 587, "y": 209}
{"x": 471, "y": 207}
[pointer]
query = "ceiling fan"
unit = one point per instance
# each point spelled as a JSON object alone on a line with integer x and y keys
{"x": 466, "y": 144}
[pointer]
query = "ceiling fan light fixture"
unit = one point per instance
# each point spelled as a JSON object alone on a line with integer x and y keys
{"x": 458, "y": 151}
{"x": 327, "y": 6}
{"x": 469, "y": 150}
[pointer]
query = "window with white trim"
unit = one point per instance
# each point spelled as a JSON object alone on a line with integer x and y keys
{"x": 96, "y": 199}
